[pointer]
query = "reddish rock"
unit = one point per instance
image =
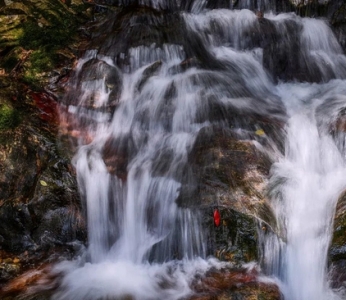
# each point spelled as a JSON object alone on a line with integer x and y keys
{"x": 231, "y": 284}
{"x": 47, "y": 105}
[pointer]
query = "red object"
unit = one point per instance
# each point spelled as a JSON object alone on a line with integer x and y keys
{"x": 217, "y": 217}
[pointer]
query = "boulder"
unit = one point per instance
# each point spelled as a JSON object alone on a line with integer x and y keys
{"x": 229, "y": 174}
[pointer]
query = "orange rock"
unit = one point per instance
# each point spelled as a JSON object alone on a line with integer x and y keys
{"x": 16, "y": 260}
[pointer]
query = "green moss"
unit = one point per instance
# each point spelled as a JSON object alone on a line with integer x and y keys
{"x": 41, "y": 61}
{"x": 38, "y": 62}
{"x": 236, "y": 238}
{"x": 43, "y": 28}
{"x": 9, "y": 63}
{"x": 52, "y": 28}
{"x": 55, "y": 31}
{"x": 9, "y": 117}
{"x": 31, "y": 78}
{"x": 46, "y": 37}
{"x": 339, "y": 230}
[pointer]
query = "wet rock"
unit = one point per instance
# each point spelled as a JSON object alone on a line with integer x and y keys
{"x": 9, "y": 270}
{"x": 285, "y": 63}
{"x": 234, "y": 284}
{"x": 25, "y": 284}
{"x": 229, "y": 174}
{"x": 125, "y": 31}
{"x": 285, "y": 56}
{"x": 97, "y": 75}
{"x": 116, "y": 154}
{"x": 148, "y": 72}
{"x": 39, "y": 202}
{"x": 338, "y": 22}
{"x": 337, "y": 250}
{"x": 235, "y": 239}
{"x": 229, "y": 167}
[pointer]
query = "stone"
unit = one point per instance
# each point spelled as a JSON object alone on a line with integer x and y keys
{"x": 229, "y": 174}
{"x": 234, "y": 284}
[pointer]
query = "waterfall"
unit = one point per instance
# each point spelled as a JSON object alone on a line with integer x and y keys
{"x": 306, "y": 184}
{"x": 137, "y": 113}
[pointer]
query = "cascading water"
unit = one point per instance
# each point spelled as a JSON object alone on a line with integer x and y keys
{"x": 306, "y": 184}
{"x": 138, "y": 113}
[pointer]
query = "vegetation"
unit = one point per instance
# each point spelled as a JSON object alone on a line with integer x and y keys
{"x": 39, "y": 61}
{"x": 29, "y": 50}
{"x": 9, "y": 117}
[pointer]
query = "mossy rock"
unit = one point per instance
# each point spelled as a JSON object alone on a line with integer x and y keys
{"x": 15, "y": 8}
{"x": 337, "y": 249}
{"x": 229, "y": 172}
{"x": 39, "y": 200}
{"x": 340, "y": 15}
{"x": 235, "y": 240}
{"x": 253, "y": 291}
{"x": 9, "y": 117}
{"x": 338, "y": 244}
{"x": 33, "y": 33}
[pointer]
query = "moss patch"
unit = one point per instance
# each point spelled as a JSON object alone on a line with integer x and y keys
{"x": 42, "y": 29}
{"x": 38, "y": 62}
{"x": 36, "y": 36}
{"x": 9, "y": 117}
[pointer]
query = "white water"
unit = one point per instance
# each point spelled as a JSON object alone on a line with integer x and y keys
{"x": 128, "y": 217}
{"x": 141, "y": 244}
{"x": 307, "y": 182}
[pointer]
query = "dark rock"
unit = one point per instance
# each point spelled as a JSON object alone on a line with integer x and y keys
{"x": 116, "y": 153}
{"x": 88, "y": 85}
{"x": 148, "y": 72}
{"x": 125, "y": 30}
{"x": 235, "y": 239}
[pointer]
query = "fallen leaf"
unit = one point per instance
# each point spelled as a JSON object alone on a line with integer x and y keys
{"x": 260, "y": 132}
{"x": 43, "y": 183}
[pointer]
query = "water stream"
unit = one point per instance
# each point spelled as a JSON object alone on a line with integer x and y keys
{"x": 306, "y": 184}
{"x": 133, "y": 152}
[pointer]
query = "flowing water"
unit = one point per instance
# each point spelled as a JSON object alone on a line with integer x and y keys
{"x": 137, "y": 115}
{"x": 306, "y": 184}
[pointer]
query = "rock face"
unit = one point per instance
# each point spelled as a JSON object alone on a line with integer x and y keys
{"x": 39, "y": 202}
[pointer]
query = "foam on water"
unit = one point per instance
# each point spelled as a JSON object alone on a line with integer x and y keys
{"x": 123, "y": 279}
{"x": 305, "y": 186}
